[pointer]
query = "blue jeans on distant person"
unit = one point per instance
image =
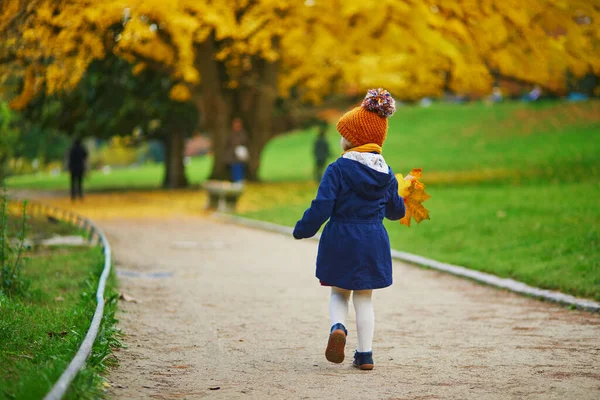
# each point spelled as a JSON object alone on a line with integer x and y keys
{"x": 238, "y": 171}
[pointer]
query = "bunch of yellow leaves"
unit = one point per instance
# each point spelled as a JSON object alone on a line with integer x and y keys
{"x": 413, "y": 191}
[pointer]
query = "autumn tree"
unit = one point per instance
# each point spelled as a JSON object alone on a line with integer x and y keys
{"x": 247, "y": 58}
{"x": 111, "y": 100}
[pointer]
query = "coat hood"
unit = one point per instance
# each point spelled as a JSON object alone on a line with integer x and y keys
{"x": 367, "y": 182}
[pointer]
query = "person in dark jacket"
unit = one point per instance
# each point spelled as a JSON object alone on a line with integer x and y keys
{"x": 357, "y": 192}
{"x": 321, "y": 152}
{"x": 77, "y": 160}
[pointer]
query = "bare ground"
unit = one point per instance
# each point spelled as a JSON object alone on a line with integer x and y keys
{"x": 227, "y": 312}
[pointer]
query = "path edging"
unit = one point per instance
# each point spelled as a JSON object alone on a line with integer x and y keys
{"x": 481, "y": 277}
{"x": 78, "y": 362}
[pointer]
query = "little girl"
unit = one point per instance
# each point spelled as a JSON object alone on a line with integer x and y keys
{"x": 356, "y": 193}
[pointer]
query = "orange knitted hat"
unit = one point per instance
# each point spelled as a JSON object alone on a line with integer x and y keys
{"x": 368, "y": 123}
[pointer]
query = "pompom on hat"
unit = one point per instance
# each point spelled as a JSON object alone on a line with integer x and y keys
{"x": 368, "y": 123}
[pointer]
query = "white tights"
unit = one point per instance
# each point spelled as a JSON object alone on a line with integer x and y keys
{"x": 365, "y": 317}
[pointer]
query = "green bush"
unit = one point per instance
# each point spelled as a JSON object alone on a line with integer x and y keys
{"x": 119, "y": 152}
{"x": 8, "y": 138}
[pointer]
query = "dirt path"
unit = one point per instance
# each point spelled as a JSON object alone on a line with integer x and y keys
{"x": 239, "y": 310}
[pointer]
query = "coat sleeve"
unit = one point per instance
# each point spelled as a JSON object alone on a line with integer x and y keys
{"x": 321, "y": 208}
{"x": 395, "y": 208}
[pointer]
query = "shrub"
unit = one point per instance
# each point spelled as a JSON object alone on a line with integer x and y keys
{"x": 11, "y": 251}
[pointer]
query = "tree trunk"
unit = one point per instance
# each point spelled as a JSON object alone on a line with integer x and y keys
{"x": 254, "y": 101}
{"x": 219, "y": 135}
{"x": 174, "y": 167}
{"x": 167, "y": 161}
{"x": 215, "y": 104}
{"x": 257, "y": 110}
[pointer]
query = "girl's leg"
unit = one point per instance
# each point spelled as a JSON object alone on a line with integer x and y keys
{"x": 365, "y": 319}
{"x": 338, "y": 305}
{"x": 338, "y": 310}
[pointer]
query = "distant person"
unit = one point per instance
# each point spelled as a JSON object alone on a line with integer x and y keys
{"x": 237, "y": 151}
{"x": 358, "y": 191}
{"x": 321, "y": 153}
{"x": 535, "y": 93}
{"x": 77, "y": 160}
{"x": 497, "y": 94}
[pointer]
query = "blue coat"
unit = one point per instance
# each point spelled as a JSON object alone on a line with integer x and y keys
{"x": 354, "y": 250}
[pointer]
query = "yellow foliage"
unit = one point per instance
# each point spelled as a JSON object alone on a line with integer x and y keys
{"x": 180, "y": 92}
{"x": 138, "y": 68}
{"x": 125, "y": 205}
{"x": 118, "y": 153}
{"x": 28, "y": 92}
{"x": 162, "y": 204}
{"x": 413, "y": 48}
{"x": 413, "y": 191}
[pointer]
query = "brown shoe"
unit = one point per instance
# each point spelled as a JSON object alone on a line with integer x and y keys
{"x": 336, "y": 344}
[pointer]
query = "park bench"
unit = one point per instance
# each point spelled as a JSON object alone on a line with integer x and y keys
{"x": 222, "y": 195}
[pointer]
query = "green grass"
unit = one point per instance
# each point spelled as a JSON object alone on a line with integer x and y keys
{"x": 138, "y": 177}
{"x": 39, "y": 227}
{"x": 450, "y": 137}
{"x": 41, "y": 330}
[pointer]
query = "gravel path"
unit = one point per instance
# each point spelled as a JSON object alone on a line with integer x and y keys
{"x": 227, "y": 312}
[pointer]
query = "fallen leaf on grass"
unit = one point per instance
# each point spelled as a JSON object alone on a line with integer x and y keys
{"x": 59, "y": 298}
{"x": 126, "y": 297}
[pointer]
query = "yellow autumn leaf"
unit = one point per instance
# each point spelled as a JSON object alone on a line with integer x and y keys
{"x": 413, "y": 192}
{"x": 138, "y": 68}
{"x": 180, "y": 92}
{"x": 403, "y": 185}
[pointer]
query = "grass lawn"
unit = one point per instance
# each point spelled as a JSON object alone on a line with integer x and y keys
{"x": 146, "y": 176}
{"x": 506, "y": 139}
{"x": 41, "y": 329}
{"x": 514, "y": 187}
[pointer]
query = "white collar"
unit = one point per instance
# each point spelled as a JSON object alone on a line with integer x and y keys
{"x": 371, "y": 160}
